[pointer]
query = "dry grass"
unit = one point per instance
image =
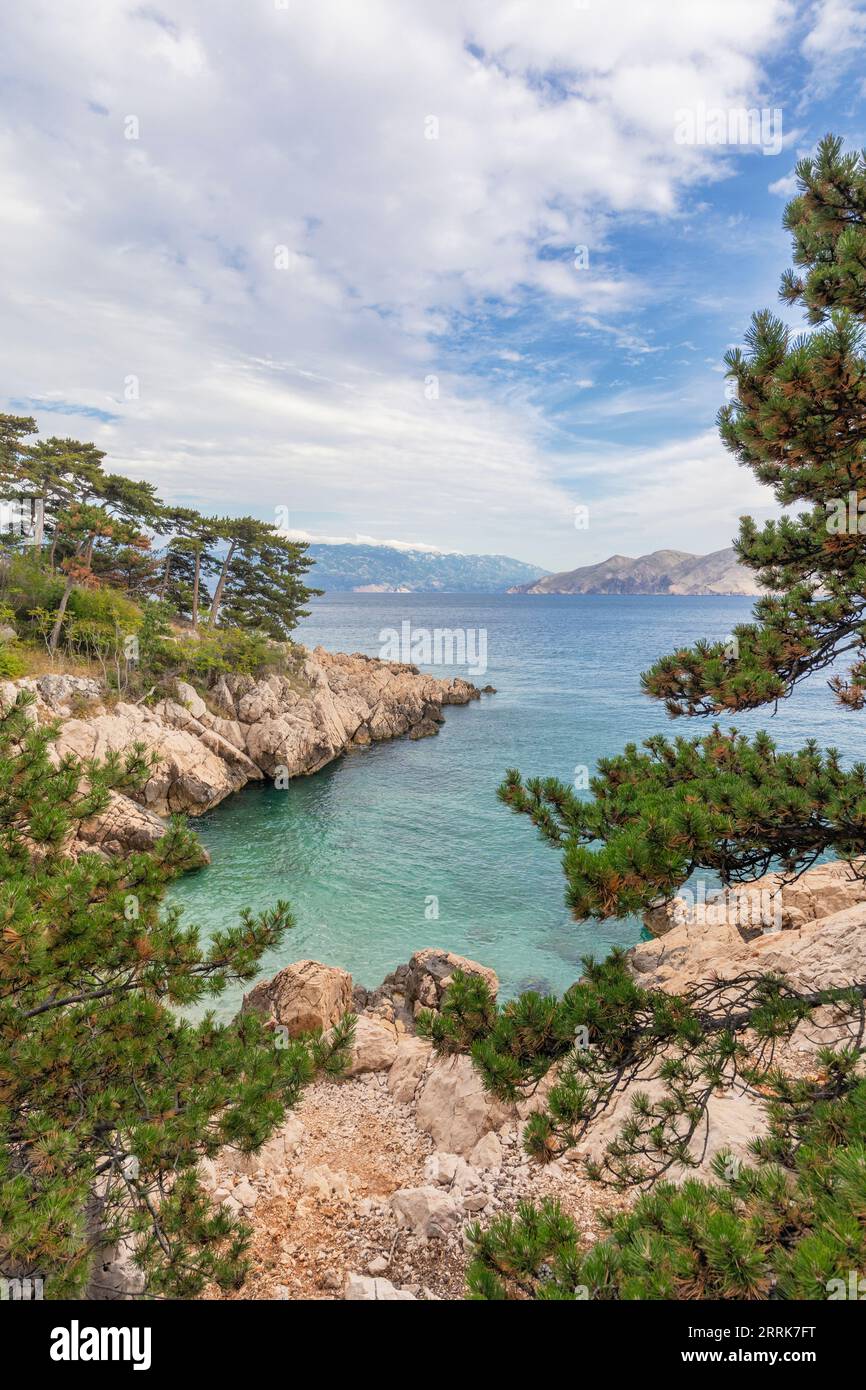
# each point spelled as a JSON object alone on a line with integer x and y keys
{"x": 39, "y": 663}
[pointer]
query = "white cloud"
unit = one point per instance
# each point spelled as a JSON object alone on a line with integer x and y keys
{"x": 785, "y": 187}
{"x": 835, "y": 39}
{"x": 156, "y": 258}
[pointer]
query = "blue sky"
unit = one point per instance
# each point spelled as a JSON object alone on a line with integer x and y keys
{"x": 236, "y": 259}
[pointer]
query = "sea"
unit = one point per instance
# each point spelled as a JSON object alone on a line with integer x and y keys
{"x": 404, "y": 844}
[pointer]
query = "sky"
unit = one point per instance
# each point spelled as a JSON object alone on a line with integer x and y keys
{"x": 460, "y": 274}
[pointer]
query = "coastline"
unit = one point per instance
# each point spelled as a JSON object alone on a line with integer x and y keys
{"x": 206, "y": 746}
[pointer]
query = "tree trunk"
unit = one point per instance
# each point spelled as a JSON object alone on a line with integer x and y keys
{"x": 195, "y": 588}
{"x": 218, "y": 595}
{"x": 39, "y": 537}
{"x": 55, "y": 631}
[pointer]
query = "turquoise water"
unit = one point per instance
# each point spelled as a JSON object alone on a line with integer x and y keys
{"x": 361, "y": 848}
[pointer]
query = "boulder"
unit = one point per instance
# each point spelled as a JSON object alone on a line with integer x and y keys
{"x": 361, "y": 1288}
{"x": 451, "y": 1171}
{"x": 190, "y": 699}
{"x": 487, "y": 1152}
{"x": 374, "y": 1048}
{"x": 122, "y": 828}
{"x": 454, "y": 1108}
{"x": 410, "y": 1063}
{"x": 427, "y": 1211}
{"x": 431, "y": 971}
{"x": 303, "y": 997}
{"x": 421, "y": 983}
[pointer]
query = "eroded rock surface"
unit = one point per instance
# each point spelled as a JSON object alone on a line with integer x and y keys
{"x": 206, "y": 746}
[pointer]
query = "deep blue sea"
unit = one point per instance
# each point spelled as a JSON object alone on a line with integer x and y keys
{"x": 367, "y": 847}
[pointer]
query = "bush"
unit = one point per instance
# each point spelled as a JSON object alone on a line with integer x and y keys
{"x": 228, "y": 650}
{"x": 105, "y": 608}
{"x": 12, "y": 663}
{"x": 25, "y": 586}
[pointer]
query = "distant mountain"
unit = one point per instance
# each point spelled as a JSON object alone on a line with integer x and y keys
{"x": 388, "y": 569}
{"x": 661, "y": 572}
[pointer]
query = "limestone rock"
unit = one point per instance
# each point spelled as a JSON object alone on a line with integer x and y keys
{"x": 822, "y": 953}
{"x": 410, "y": 1063}
{"x": 421, "y": 983}
{"x": 304, "y": 996}
{"x": 451, "y": 1171}
{"x": 427, "y": 1211}
{"x": 363, "y": 1288}
{"x": 487, "y": 1152}
{"x": 120, "y": 829}
{"x": 454, "y": 1107}
{"x": 206, "y": 749}
{"x": 325, "y": 1183}
{"x": 190, "y": 698}
{"x": 374, "y": 1048}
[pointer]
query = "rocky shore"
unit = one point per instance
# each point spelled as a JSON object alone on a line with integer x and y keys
{"x": 205, "y": 747}
{"x": 365, "y": 1192}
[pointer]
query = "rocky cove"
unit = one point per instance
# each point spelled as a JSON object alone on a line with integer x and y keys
{"x": 365, "y": 1191}
{"x": 204, "y": 748}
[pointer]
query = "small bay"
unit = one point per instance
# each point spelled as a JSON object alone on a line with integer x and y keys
{"x": 370, "y": 850}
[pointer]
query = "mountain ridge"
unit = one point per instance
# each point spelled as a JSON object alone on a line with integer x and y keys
{"x": 358, "y": 567}
{"x": 658, "y": 572}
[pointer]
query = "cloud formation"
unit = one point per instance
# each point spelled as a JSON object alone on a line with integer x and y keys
{"x": 243, "y": 240}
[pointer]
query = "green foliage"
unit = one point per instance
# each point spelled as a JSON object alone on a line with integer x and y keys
{"x": 222, "y": 650}
{"x": 12, "y": 663}
{"x": 724, "y": 802}
{"x": 758, "y": 1232}
{"x": 782, "y": 1227}
{"x": 92, "y": 557}
{"x": 25, "y": 585}
{"x": 106, "y": 608}
{"x": 794, "y": 1221}
{"x": 109, "y": 1096}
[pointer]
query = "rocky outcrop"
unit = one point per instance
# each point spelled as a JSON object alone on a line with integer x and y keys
{"x": 420, "y": 984}
{"x": 304, "y": 997}
{"x": 446, "y": 1092}
{"x": 766, "y": 903}
{"x": 204, "y": 747}
{"x": 821, "y": 945}
{"x": 453, "y": 1107}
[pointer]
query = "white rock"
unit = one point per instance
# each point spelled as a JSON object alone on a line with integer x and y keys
{"x": 374, "y": 1048}
{"x": 361, "y": 1288}
{"x": 426, "y": 1211}
{"x": 454, "y": 1107}
{"x": 410, "y": 1063}
{"x": 487, "y": 1152}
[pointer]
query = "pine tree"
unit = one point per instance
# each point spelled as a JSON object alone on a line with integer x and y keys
{"x": 109, "y": 1095}
{"x": 265, "y": 589}
{"x": 790, "y": 1223}
{"x": 725, "y": 802}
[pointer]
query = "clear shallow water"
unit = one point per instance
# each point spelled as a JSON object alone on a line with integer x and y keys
{"x": 360, "y": 848}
